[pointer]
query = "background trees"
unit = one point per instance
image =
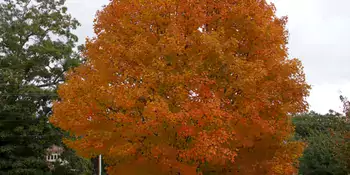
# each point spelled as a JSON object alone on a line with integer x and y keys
{"x": 36, "y": 49}
{"x": 188, "y": 85}
{"x": 327, "y": 143}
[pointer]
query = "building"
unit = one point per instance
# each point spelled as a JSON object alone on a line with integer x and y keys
{"x": 53, "y": 155}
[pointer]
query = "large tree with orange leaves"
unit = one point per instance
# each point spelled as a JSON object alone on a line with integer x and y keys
{"x": 186, "y": 86}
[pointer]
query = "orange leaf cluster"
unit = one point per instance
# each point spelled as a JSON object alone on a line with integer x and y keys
{"x": 186, "y": 86}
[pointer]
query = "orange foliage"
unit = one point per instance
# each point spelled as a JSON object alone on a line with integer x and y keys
{"x": 186, "y": 86}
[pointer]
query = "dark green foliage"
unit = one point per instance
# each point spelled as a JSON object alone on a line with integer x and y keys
{"x": 324, "y": 135}
{"x": 306, "y": 124}
{"x": 36, "y": 49}
{"x": 76, "y": 165}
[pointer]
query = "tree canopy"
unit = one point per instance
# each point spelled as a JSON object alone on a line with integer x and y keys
{"x": 327, "y": 143}
{"x": 186, "y": 86}
{"x": 36, "y": 49}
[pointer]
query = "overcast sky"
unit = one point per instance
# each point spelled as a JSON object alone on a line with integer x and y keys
{"x": 319, "y": 37}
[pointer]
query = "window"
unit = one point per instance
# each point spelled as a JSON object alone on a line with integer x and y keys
{"x": 53, "y": 157}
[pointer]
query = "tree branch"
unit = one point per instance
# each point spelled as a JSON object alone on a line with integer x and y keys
{"x": 49, "y": 84}
{"x": 54, "y": 82}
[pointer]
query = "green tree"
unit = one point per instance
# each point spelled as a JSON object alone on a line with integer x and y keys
{"x": 345, "y": 149}
{"x": 324, "y": 135}
{"x": 76, "y": 165}
{"x": 36, "y": 49}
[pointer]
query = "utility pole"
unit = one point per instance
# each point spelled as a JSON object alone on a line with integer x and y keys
{"x": 100, "y": 164}
{"x": 97, "y": 164}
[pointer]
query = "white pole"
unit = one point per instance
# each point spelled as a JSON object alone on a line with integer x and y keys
{"x": 100, "y": 164}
